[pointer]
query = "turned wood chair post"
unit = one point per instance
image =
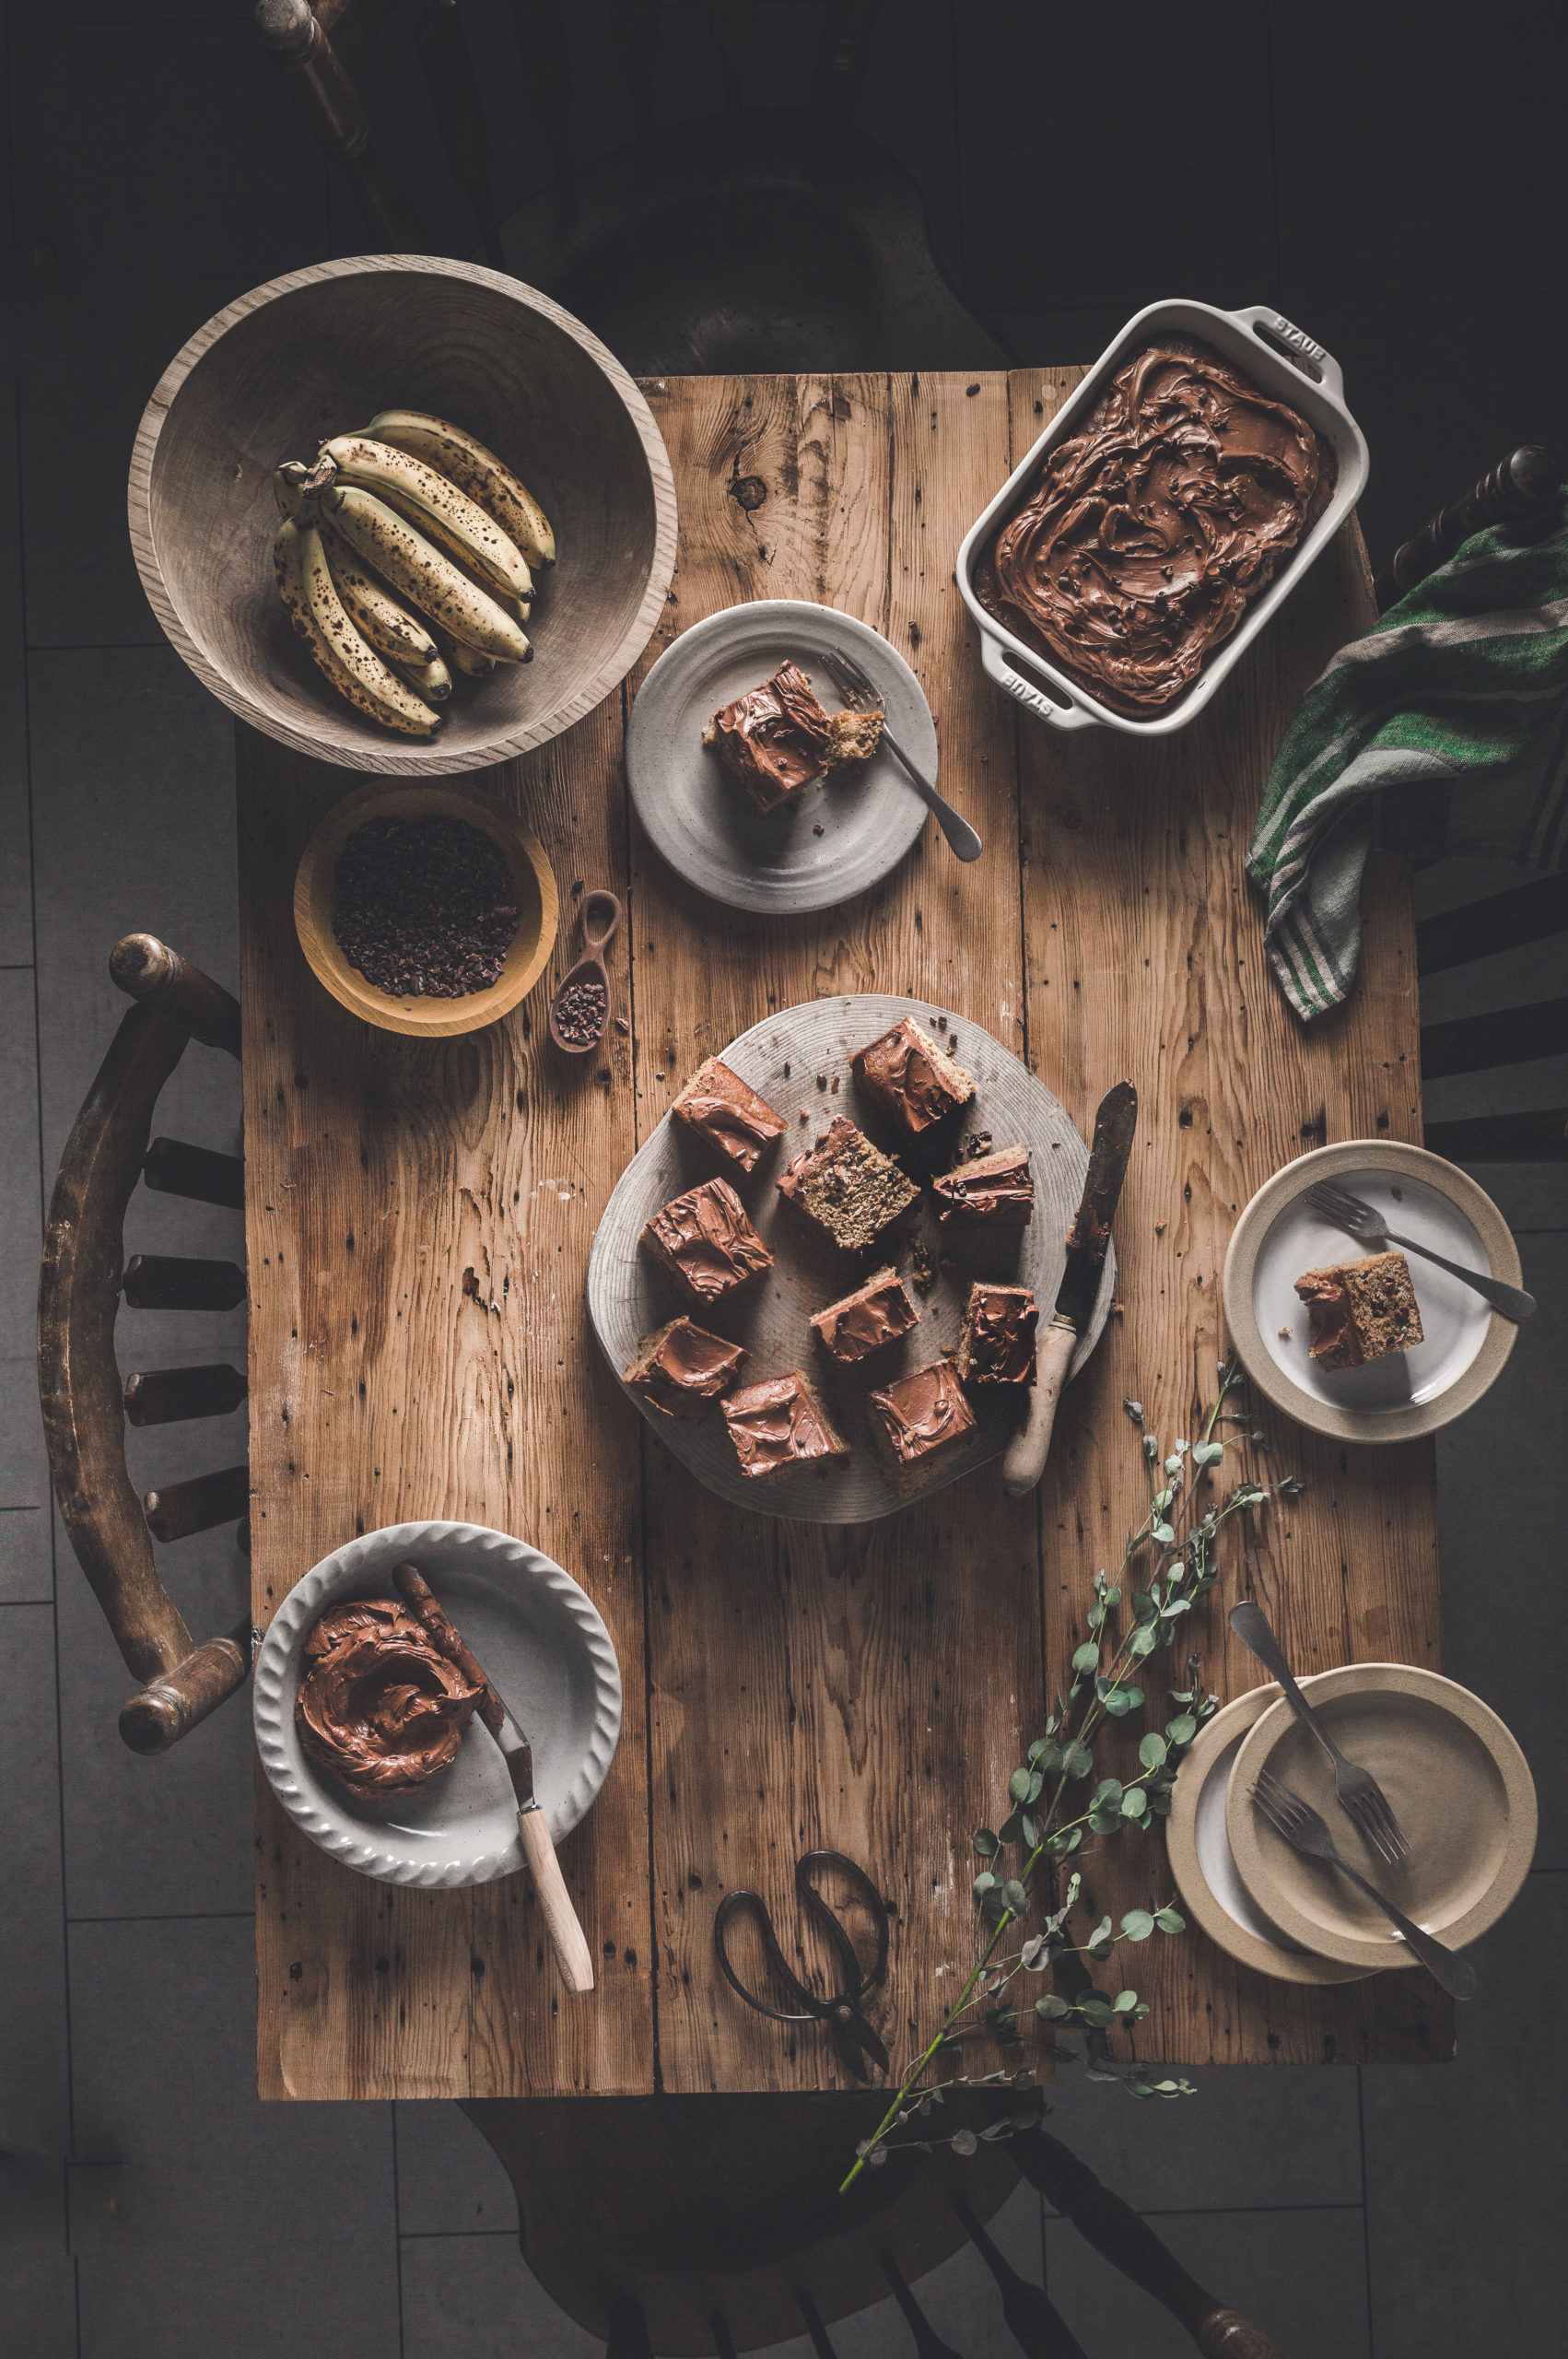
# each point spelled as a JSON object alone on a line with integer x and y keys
{"x": 1522, "y": 485}
{"x": 84, "y": 1405}
{"x": 1129, "y": 2243}
{"x": 303, "y": 53}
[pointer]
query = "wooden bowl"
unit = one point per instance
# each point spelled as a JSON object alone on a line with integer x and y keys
{"x": 317, "y": 354}
{"x": 532, "y": 883}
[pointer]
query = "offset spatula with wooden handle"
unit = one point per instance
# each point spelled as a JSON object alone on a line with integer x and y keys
{"x": 1115, "y": 1126}
{"x": 572, "y": 1954}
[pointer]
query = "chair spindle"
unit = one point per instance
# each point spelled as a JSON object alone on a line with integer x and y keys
{"x": 178, "y": 1509}
{"x": 306, "y": 59}
{"x": 181, "y": 1282}
{"x": 1129, "y": 2243}
{"x": 174, "y": 1168}
{"x": 160, "y": 1714}
{"x": 169, "y": 1396}
{"x": 1519, "y": 485}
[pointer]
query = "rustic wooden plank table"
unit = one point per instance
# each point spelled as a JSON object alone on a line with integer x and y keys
{"x": 419, "y": 1218}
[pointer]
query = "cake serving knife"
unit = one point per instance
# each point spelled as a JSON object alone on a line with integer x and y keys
{"x": 1115, "y": 1125}
{"x": 573, "y": 1955}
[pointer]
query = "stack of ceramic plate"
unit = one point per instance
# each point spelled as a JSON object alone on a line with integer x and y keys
{"x": 1456, "y": 1782}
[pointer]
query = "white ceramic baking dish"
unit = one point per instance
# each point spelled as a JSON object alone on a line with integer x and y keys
{"x": 1257, "y": 338}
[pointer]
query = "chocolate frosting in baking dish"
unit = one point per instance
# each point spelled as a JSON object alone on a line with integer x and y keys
{"x": 1150, "y": 531}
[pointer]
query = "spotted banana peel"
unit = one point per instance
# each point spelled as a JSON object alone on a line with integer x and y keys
{"x": 475, "y": 470}
{"x": 317, "y": 613}
{"x": 435, "y": 507}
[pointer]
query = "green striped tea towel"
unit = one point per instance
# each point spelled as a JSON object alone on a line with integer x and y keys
{"x": 1462, "y": 690}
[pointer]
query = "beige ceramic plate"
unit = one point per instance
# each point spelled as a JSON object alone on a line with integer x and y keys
{"x": 532, "y": 883}
{"x": 1200, "y": 1853}
{"x": 1409, "y": 1393}
{"x": 1456, "y": 1781}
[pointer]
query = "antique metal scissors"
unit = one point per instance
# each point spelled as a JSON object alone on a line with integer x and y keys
{"x": 853, "y": 2037}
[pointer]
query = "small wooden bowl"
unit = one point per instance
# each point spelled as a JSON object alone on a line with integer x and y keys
{"x": 317, "y": 354}
{"x": 532, "y": 883}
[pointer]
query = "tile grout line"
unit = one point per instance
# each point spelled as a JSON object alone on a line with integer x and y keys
{"x": 174, "y": 1917}
{"x": 1365, "y": 2212}
{"x": 397, "y": 2224}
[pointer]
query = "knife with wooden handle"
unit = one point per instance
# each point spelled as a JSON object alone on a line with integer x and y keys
{"x": 1115, "y": 1125}
{"x": 573, "y": 1955}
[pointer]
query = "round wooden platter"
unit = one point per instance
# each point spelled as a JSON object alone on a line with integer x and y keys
{"x": 799, "y": 1060}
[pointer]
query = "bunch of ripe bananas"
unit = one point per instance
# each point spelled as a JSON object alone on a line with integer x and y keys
{"x": 405, "y": 553}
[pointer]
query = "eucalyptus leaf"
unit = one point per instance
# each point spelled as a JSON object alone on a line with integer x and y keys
{"x": 1095, "y": 2011}
{"x": 1181, "y": 1729}
{"x": 1018, "y": 1785}
{"x": 1126, "y": 2003}
{"x": 982, "y": 1882}
{"x": 1166, "y": 1534}
{"x": 1076, "y": 1760}
{"x": 963, "y": 2142}
{"x": 985, "y": 1843}
{"x": 1134, "y": 1802}
{"x": 1053, "y": 2009}
{"x": 1138, "y": 1924}
{"x": 1014, "y": 1895}
{"x": 1142, "y": 1642}
{"x": 1169, "y": 1919}
{"x": 1086, "y": 1657}
{"x": 1134, "y": 1410}
{"x": 1152, "y": 1750}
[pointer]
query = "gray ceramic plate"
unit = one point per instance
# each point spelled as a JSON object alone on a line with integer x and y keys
{"x": 1278, "y": 1236}
{"x": 542, "y": 1640}
{"x": 702, "y": 820}
{"x": 782, "y": 1057}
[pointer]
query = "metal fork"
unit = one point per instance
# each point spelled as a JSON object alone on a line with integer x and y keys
{"x": 857, "y": 689}
{"x": 1367, "y": 1226}
{"x": 1306, "y": 1832}
{"x": 1360, "y": 1795}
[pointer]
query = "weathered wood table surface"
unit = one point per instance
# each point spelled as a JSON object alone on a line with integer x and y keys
{"x": 419, "y": 1218}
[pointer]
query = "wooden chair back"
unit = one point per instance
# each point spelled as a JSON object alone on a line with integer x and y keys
{"x": 754, "y": 241}
{"x": 713, "y": 2225}
{"x": 84, "y": 1405}
{"x": 1471, "y": 1044}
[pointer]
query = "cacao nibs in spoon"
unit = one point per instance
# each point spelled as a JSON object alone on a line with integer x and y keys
{"x": 581, "y": 1012}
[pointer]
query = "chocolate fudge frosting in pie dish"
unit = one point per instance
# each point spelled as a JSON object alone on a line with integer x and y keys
{"x": 1169, "y": 506}
{"x": 346, "y": 1681}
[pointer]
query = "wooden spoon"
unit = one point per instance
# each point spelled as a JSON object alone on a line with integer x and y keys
{"x": 590, "y": 967}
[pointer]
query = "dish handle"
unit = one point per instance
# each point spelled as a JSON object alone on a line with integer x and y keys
{"x": 1290, "y": 343}
{"x": 1033, "y": 699}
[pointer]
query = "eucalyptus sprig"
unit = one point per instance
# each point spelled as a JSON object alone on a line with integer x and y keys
{"x": 1168, "y": 1566}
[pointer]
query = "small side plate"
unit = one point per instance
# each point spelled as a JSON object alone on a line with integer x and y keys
{"x": 847, "y": 831}
{"x": 1278, "y": 1236}
{"x": 1205, "y": 1872}
{"x": 540, "y": 1636}
{"x": 1456, "y": 1781}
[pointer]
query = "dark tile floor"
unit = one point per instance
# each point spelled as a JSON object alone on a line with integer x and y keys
{"x": 1393, "y": 188}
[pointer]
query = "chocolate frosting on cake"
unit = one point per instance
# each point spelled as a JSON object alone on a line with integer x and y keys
{"x": 775, "y": 1423}
{"x": 380, "y": 1708}
{"x": 998, "y": 1188}
{"x": 690, "y": 1368}
{"x": 1149, "y": 533}
{"x": 920, "y": 1411}
{"x": 708, "y": 1237}
{"x": 730, "y": 1114}
{"x": 775, "y": 735}
{"x": 898, "y": 1071}
{"x": 1001, "y": 1332}
{"x": 862, "y": 1324}
{"x": 832, "y": 1142}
